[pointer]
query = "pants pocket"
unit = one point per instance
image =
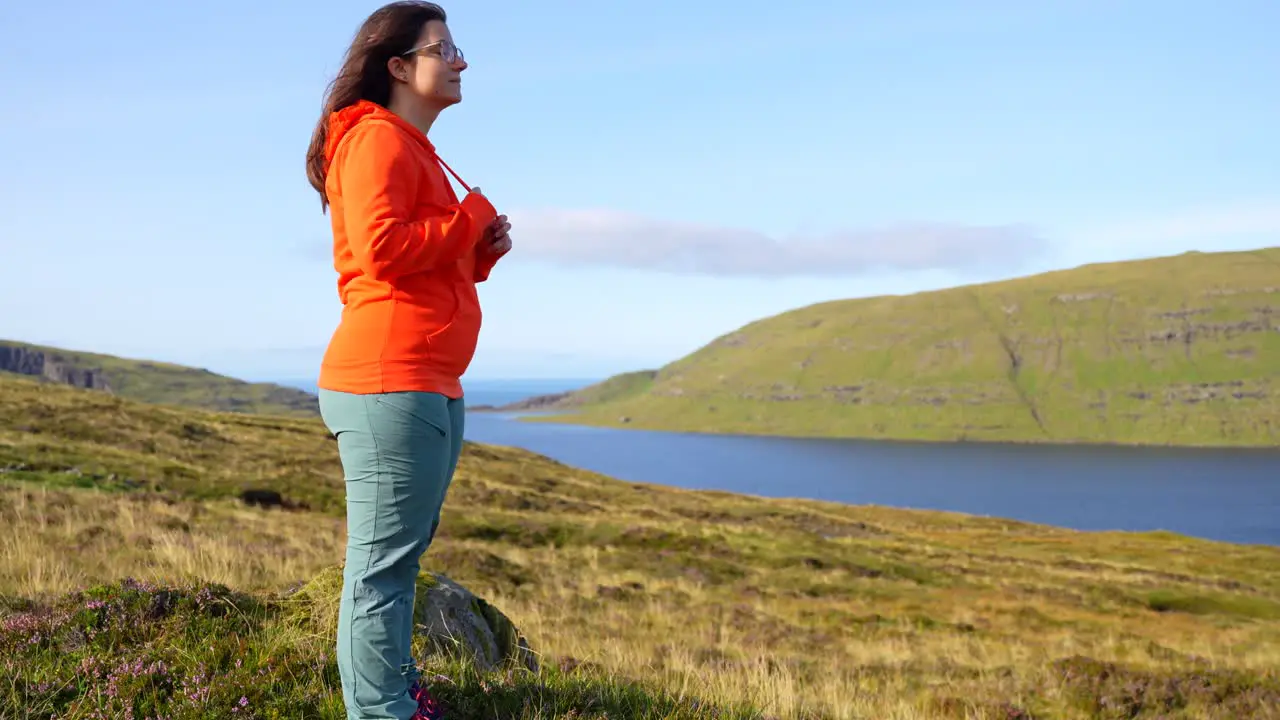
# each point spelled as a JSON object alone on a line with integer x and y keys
{"x": 396, "y": 456}
{"x": 430, "y": 409}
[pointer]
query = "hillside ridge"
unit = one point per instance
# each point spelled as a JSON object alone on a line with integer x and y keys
{"x": 152, "y": 381}
{"x": 1176, "y": 350}
{"x": 28, "y": 360}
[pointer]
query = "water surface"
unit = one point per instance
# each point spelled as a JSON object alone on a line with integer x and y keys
{"x": 1231, "y": 495}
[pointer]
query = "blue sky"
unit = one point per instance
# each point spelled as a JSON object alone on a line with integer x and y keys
{"x": 672, "y": 169}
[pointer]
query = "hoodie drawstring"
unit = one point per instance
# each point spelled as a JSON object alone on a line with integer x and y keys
{"x": 454, "y": 174}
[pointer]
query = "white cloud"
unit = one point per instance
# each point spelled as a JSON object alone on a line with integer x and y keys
{"x": 606, "y": 237}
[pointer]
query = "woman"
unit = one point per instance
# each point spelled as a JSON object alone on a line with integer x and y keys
{"x": 408, "y": 255}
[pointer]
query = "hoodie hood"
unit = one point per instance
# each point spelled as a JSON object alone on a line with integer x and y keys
{"x": 342, "y": 121}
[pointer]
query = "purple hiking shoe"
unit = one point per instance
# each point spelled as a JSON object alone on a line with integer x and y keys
{"x": 428, "y": 708}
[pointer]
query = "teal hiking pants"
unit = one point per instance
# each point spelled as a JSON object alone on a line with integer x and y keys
{"x": 399, "y": 452}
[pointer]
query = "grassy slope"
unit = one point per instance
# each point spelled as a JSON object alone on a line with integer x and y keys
{"x": 618, "y": 387}
{"x": 171, "y": 384}
{"x": 1182, "y": 350}
{"x": 642, "y": 599}
{"x": 614, "y": 389}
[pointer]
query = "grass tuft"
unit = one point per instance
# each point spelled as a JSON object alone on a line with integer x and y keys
{"x": 1196, "y": 604}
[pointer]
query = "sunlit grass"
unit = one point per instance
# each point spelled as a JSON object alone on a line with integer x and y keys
{"x": 1169, "y": 351}
{"x": 634, "y": 596}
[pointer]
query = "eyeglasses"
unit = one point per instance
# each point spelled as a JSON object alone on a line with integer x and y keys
{"x": 449, "y": 52}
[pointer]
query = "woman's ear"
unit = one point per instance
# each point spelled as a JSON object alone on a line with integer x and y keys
{"x": 399, "y": 71}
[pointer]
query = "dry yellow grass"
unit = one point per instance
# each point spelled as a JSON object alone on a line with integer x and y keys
{"x": 870, "y": 648}
{"x": 804, "y": 609}
{"x": 55, "y": 541}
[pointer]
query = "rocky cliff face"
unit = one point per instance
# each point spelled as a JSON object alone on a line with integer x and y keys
{"x": 36, "y": 363}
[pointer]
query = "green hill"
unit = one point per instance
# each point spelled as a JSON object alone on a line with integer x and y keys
{"x": 1179, "y": 350}
{"x": 618, "y": 387}
{"x": 121, "y": 530}
{"x": 153, "y": 382}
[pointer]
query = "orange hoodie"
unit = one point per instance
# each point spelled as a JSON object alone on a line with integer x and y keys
{"x": 407, "y": 256}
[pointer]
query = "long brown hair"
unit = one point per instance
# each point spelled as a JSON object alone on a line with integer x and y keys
{"x": 389, "y": 32}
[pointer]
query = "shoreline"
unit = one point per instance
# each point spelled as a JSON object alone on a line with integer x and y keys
{"x": 561, "y": 416}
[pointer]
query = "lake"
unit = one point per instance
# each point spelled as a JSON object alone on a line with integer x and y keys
{"x": 1231, "y": 495}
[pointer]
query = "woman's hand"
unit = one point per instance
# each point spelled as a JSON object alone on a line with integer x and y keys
{"x": 497, "y": 238}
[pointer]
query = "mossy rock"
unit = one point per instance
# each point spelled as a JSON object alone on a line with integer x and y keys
{"x": 453, "y": 621}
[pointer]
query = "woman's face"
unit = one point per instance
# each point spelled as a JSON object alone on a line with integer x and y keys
{"x": 433, "y": 73}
